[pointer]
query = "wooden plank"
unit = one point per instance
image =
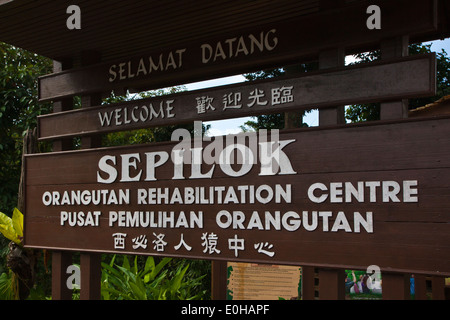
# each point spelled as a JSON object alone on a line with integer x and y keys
{"x": 91, "y": 273}
{"x": 420, "y": 287}
{"x": 380, "y": 81}
{"x": 284, "y": 43}
{"x": 61, "y": 106}
{"x": 438, "y": 288}
{"x": 219, "y": 280}
{"x": 412, "y": 155}
{"x": 331, "y": 284}
{"x": 390, "y": 48}
{"x": 395, "y": 286}
{"x": 331, "y": 280}
{"x": 2, "y": 2}
{"x": 61, "y": 260}
{"x": 90, "y": 263}
{"x": 308, "y": 292}
{"x": 331, "y": 59}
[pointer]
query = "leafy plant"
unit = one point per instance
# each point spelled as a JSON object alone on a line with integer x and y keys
{"x": 153, "y": 282}
{"x": 12, "y": 228}
{"x": 19, "y": 108}
{"x": 8, "y": 286}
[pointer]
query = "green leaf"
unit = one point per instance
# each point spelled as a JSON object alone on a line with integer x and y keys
{"x": 176, "y": 284}
{"x": 149, "y": 266}
{"x": 7, "y": 228}
{"x": 17, "y": 221}
{"x": 135, "y": 268}
{"x": 126, "y": 263}
{"x": 111, "y": 269}
{"x": 151, "y": 271}
{"x": 137, "y": 292}
{"x": 161, "y": 265}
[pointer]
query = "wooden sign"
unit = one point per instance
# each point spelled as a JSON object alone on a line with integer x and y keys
{"x": 266, "y": 46}
{"x": 350, "y": 196}
{"x": 401, "y": 78}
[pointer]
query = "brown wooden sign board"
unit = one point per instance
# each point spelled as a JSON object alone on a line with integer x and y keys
{"x": 350, "y": 196}
{"x": 401, "y": 78}
{"x": 251, "y": 50}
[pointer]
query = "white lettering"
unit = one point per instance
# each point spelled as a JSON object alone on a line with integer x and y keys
{"x": 108, "y": 169}
{"x": 239, "y": 46}
{"x": 385, "y": 191}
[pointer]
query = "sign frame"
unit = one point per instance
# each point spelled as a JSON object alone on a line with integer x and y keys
{"x": 407, "y": 156}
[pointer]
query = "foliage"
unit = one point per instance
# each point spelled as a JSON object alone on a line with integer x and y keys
{"x": 153, "y": 282}
{"x": 19, "y": 109}
{"x": 8, "y": 286}
{"x": 12, "y": 228}
{"x": 368, "y": 112}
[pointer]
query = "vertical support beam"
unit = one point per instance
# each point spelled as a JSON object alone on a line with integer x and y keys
{"x": 62, "y": 105}
{"x": 61, "y": 260}
{"x": 94, "y": 141}
{"x": 292, "y": 119}
{"x": 331, "y": 281}
{"x": 308, "y": 283}
{"x": 420, "y": 287}
{"x": 330, "y": 59}
{"x": 90, "y": 263}
{"x": 219, "y": 279}
{"x": 331, "y": 284}
{"x": 395, "y": 286}
{"x": 91, "y": 274}
{"x": 438, "y": 288}
{"x": 392, "y": 48}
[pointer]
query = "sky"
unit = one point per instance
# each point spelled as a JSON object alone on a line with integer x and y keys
{"x": 232, "y": 126}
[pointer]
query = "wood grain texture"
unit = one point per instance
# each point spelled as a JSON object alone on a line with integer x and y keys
{"x": 396, "y": 79}
{"x": 299, "y": 39}
{"x": 407, "y": 236}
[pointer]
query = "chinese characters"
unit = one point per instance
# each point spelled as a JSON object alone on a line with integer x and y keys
{"x": 208, "y": 241}
{"x": 238, "y": 99}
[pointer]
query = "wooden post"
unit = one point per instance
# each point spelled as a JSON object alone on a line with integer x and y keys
{"x": 331, "y": 281}
{"x": 420, "y": 287}
{"x": 90, "y": 263}
{"x": 395, "y": 286}
{"x": 308, "y": 292}
{"x": 392, "y": 48}
{"x": 62, "y": 105}
{"x": 330, "y": 59}
{"x": 331, "y": 284}
{"x": 61, "y": 260}
{"x": 438, "y": 288}
{"x": 91, "y": 274}
{"x": 219, "y": 278}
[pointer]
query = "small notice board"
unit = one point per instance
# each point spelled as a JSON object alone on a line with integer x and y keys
{"x": 251, "y": 281}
